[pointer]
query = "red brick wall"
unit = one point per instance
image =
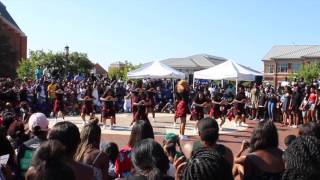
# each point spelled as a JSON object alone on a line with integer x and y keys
{"x": 18, "y": 41}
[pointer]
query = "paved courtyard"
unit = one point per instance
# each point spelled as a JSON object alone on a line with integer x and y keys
{"x": 230, "y": 135}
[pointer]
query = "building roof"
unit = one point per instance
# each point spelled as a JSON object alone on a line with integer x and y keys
{"x": 199, "y": 61}
{"x": 6, "y": 17}
{"x": 99, "y": 69}
{"x": 292, "y": 52}
{"x": 117, "y": 63}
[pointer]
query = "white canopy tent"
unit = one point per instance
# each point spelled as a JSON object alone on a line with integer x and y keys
{"x": 228, "y": 70}
{"x": 156, "y": 70}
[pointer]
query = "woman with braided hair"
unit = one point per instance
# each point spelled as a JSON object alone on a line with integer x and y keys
{"x": 302, "y": 159}
{"x": 204, "y": 164}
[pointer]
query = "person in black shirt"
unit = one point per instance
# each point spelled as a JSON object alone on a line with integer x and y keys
{"x": 239, "y": 103}
{"x": 294, "y": 106}
{"x": 198, "y": 105}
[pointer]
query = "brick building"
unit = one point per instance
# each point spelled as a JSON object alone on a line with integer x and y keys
{"x": 18, "y": 39}
{"x": 284, "y": 60}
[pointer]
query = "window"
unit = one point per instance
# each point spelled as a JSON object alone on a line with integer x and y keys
{"x": 296, "y": 67}
{"x": 270, "y": 68}
{"x": 282, "y": 68}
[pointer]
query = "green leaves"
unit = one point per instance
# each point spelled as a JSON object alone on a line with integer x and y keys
{"x": 75, "y": 63}
{"x": 309, "y": 72}
{"x": 121, "y": 73}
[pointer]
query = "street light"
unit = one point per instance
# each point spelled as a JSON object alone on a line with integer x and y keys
{"x": 66, "y": 49}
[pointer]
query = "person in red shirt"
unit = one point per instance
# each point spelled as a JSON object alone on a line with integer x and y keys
{"x": 141, "y": 130}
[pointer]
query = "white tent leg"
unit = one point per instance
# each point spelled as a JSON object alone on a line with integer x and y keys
{"x": 173, "y": 89}
{"x": 237, "y": 86}
{"x": 193, "y": 82}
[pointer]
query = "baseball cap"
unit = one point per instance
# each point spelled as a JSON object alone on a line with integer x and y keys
{"x": 171, "y": 137}
{"x": 40, "y": 120}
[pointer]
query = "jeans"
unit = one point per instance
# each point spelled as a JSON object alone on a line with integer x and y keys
{"x": 271, "y": 109}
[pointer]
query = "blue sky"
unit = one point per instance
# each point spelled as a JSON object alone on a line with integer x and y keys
{"x": 144, "y": 30}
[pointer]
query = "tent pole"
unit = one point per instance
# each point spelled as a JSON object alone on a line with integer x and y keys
{"x": 236, "y": 86}
{"x": 193, "y": 82}
{"x": 172, "y": 80}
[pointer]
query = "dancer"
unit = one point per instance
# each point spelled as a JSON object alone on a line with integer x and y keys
{"x": 87, "y": 107}
{"x": 150, "y": 99}
{"x": 197, "y": 111}
{"x": 239, "y": 104}
{"x": 58, "y": 108}
{"x": 108, "y": 108}
{"x": 139, "y": 105}
{"x": 218, "y": 108}
{"x": 182, "y": 99}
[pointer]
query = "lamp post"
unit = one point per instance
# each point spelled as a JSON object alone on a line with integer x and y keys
{"x": 66, "y": 52}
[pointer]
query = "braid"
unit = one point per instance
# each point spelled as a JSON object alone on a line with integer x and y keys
{"x": 303, "y": 159}
{"x": 206, "y": 163}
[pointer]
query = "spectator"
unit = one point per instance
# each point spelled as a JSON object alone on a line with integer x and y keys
{"x": 88, "y": 150}
{"x": 39, "y": 126}
{"x": 6, "y": 149}
{"x": 289, "y": 139}
{"x": 302, "y": 159}
{"x": 149, "y": 161}
{"x": 170, "y": 142}
{"x": 49, "y": 163}
{"x": 264, "y": 160}
{"x": 68, "y": 135}
{"x": 310, "y": 129}
{"x": 140, "y": 130}
{"x": 112, "y": 151}
{"x": 209, "y": 134}
{"x": 204, "y": 164}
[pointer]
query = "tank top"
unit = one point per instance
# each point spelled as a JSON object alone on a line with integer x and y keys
{"x": 97, "y": 172}
{"x": 312, "y": 98}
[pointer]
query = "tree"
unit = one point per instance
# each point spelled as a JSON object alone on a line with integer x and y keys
{"x": 121, "y": 73}
{"x": 308, "y": 72}
{"x": 8, "y": 57}
{"x": 58, "y": 63}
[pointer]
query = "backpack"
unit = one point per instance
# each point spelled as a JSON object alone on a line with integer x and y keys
{"x": 25, "y": 154}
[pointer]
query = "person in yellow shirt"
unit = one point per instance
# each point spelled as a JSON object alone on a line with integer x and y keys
{"x": 52, "y": 87}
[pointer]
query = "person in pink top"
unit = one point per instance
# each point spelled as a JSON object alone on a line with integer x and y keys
{"x": 312, "y": 101}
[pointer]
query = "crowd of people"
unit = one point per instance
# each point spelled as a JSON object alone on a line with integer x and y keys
{"x": 63, "y": 152}
{"x": 32, "y": 151}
